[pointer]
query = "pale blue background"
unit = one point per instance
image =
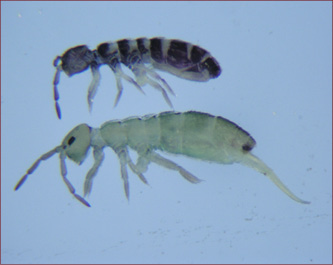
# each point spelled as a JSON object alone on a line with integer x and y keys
{"x": 276, "y": 84}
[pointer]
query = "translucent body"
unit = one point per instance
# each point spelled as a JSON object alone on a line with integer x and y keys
{"x": 142, "y": 56}
{"x": 193, "y": 134}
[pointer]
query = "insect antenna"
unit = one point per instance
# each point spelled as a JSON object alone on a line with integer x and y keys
{"x": 35, "y": 165}
{"x": 62, "y": 155}
{"x": 55, "y": 83}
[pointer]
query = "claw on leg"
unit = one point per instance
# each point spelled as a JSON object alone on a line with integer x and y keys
{"x": 123, "y": 170}
{"x": 141, "y": 72}
{"x": 93, "y": 85}
{"x": 137, "y": 172}
{"x": 161, "y": 89}
{"x": 120, "y": 90}
{"x": 156, "y": 76}
{"x": 125, "y": 160}
{"x": 99, "y": 157}
{"x": 119, "y": 75}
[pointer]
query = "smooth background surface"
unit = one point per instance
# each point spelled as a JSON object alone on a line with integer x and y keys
{"x": 276, "y": 84}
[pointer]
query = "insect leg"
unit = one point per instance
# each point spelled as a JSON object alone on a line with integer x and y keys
{"x": 137, "y": 170}
{"x": 123, "y": 161}
{"x": 62, "y": 156}
{"x": 35, "y": 165}
{"x": 156, "y": 158}
{"x": 120, "y": 90}
{"x": 94, "y": 84}
{"x": 161, "y": 89}
{"x": 156, "y": 76}
{"x": 99, "y": 157}
{"x": 55, "y": 89}
{"x": 142, "y": 163}
{"x": 141, "y": 74}
{"x": 120, "y": 74}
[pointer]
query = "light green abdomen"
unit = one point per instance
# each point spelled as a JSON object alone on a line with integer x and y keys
{"x": 194, "y": 134}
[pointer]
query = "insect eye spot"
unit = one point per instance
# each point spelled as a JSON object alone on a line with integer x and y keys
{"x": 71, "y": 140}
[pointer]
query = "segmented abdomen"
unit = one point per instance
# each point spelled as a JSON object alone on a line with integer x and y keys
{"x": 195, "y": 134}
{"x": 174, "y": 56}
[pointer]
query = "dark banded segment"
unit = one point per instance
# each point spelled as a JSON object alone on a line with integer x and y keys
{"x": 141, "y": 46}
{"x": 197, "y": 54}
{"x": 103, "y": 49}
{"x": 156, "y": 49}
{"x": 124, "y": 51}
{"x": 212, "y": 66}
{"x": 177, "y": 54}
{"x": 108, "y": 56}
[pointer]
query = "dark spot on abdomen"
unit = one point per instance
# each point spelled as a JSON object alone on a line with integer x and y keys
{"x": 247, "y": 147}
